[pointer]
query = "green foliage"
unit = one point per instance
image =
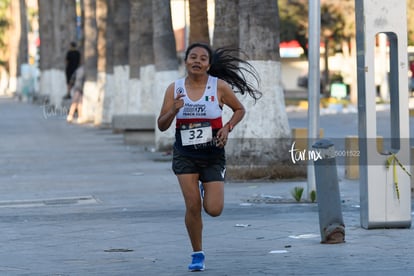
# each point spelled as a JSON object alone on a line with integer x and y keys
{"x": 297, "y": 193}
{"x": 410, "y": 19}
{"x": 337, "y": 18}
{"x": 293, "y": 16}
{"x": 4, "y": 24}
{"x": 313, "y": 196}
{"x": 336, "y": 78}
{"x": 294, "y": 21}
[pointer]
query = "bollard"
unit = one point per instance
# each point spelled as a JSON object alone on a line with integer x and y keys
{"x": 327, "y": 190}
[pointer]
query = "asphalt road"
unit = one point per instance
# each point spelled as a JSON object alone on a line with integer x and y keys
{"x": 75, "y": 200}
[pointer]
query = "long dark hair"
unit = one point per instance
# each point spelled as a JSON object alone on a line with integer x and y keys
{"x": 226, "y": 64}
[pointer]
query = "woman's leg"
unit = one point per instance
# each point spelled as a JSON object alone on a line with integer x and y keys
{"x": 213, "y": 201}
{"x": 77, "y": 100}
{"x": 79, "y": 107}
{"x": 193, "y": 220}
{"x": 72, "y": 110}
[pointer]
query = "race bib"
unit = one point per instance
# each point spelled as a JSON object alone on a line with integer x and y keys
{"x": 196, "y": 133}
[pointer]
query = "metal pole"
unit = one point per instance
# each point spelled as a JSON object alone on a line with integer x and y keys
{"x": 331, "y": 223}
{"x": 313, "y": 84}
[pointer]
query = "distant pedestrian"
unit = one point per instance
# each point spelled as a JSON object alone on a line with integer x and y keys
{"x": 72, "y": 62}
{"x": 76, "y": 88}
{"x": 196, "y": 101}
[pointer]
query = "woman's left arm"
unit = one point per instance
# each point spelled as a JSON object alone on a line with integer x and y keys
{"x": 227, "y": 97}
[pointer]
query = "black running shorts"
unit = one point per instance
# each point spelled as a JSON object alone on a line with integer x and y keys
{"x": 212, "y": 169}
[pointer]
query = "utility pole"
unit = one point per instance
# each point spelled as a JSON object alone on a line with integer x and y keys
{"x": 313, "y": 84}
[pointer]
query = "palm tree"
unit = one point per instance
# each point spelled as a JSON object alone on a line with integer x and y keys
{"x": 54, "y": 44}
{"x": 4, "y": 49}
{"x": 134, "y": 90}
{"x": 141, "y": 58}
{"x": 263, "y": 136}
{"x": 121, "y": 60}
{"x": 166, "y": 64}
{"x": 90, "y": 91}
{"x": 91, "y": 36}
{"x": 101, "y": 24}
{"x": 199, "y": 22}
{"x": 18, "y": 47}
{"x": 146, "y": 58}
{"x": 105, "y": 62}
{"x": 46, "y": 46}
{"x": 226, "y": 27}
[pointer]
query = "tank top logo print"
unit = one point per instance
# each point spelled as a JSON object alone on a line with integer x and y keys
{"x": 209, "y": 98}
{"x": 197, "y": 110}
{"x": 180, "y": 90}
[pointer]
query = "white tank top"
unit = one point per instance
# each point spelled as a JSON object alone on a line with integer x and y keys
{"x": 205, "y": 109}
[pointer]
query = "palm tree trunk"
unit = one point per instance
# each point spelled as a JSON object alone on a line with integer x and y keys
{"x": 261, "y": 147}
{"x": 90, "y": 90}
{"x": 141, "y": 58}
{"x": 106, "y": 79}
{"x": 166, "y": 64}
{"x": 105, "y": 65}
{"x": 46, "y": 47}
{"x": 199, "y": 22}
{"x": 226, "y": 27}
{"x": 18, "y": 47}
{"x": 121, "y": 60}
{"x": 55, "y": 43}
{"x": 146, "y": 58}
{"x": 134, "y": 91}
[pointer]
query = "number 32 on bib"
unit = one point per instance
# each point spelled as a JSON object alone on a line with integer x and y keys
{"x": 195, "y": 134}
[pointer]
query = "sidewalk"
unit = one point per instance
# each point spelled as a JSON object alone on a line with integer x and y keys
{"x": 74, "y": 200}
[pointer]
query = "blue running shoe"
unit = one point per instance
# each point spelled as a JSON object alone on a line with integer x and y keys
{"x": 201, "y": 187}
{"x": 197, "y": 263}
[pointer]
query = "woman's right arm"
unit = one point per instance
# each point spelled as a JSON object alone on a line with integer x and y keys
{"x": 169, "y": 109}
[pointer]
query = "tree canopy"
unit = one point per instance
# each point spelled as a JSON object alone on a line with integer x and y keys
{"x": 337, "y": 20}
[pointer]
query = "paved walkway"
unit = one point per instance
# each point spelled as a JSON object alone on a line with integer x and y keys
{"x": 74, "y": 200}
